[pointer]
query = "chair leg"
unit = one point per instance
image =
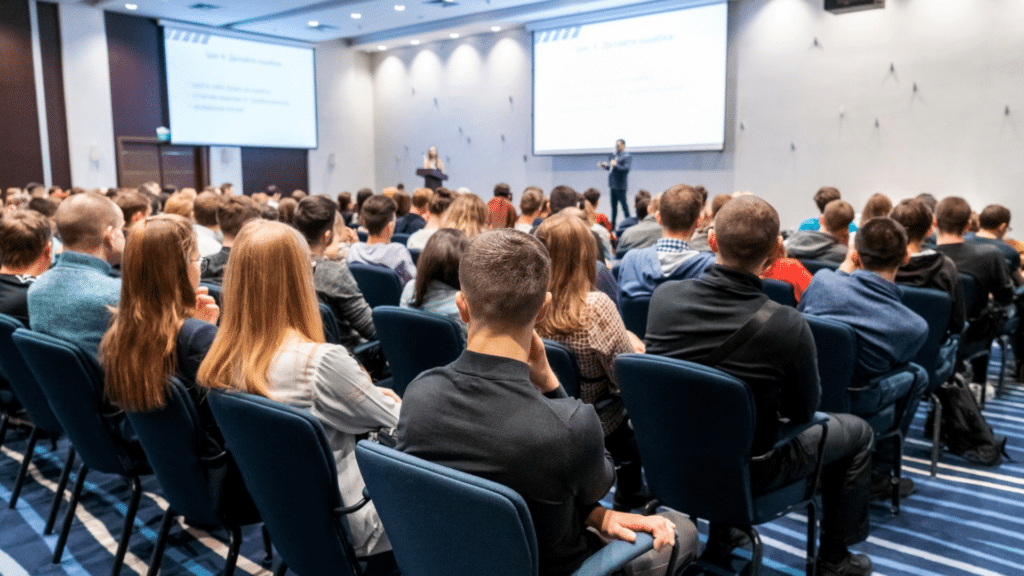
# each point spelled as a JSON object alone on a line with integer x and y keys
{"x": 161, "y": 542}
{"x": 812, "y": 537}
{"x": 129, "y": 523}
{"x": 4, "y": 419}
{"x": 234, "y": 543}
{"x": 25, "y": 462}
{"x": 936, "y": 433}
{"x": 268, "y": 547}
{"x": 58, "y": 496}
{"x": 76, "y": 493}
{"x": 282, "y": 569}
{"x": 1003, "y": 346}
{"x": 756, "y": 552}
{"x": 897, "y": 474}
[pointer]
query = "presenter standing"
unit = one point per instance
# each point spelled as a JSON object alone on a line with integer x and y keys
{"x": 618, "y": 168}
{"x": 433, "y": 169}
{"x": 432, "y": 161}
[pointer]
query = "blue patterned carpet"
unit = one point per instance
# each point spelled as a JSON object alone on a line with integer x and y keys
{"x": 968, "y": 520}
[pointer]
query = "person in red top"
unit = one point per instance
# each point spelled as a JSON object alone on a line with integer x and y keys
{"x": 500, "y": 211}
{"x": 593, "y": 196}
{"x": 788, "y": 270}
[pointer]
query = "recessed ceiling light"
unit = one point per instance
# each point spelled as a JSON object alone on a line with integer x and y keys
{"x": 356, "y": 15}
{"x": 382, "y": 47}
{"x": 453, "y": 35}
{"x": 399, "y": 7}
{"x": 313, "y": 24}
{"x": 495, "y": 28}
{"x": 132, "y": 6}
{"x": 414, "y": 42}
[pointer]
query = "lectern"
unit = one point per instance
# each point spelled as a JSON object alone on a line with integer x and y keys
{"x": 432, "y": 178}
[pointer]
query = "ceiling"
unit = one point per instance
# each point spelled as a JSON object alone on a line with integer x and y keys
{"x": 364, "y": 24}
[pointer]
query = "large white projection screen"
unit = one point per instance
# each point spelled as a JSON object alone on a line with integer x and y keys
{"x": 656, "y": 81}
{"x": 233, "y": 92}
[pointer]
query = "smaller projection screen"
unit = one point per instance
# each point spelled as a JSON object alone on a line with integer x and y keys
{"x": 657, "y": 81}
{"x": 232, "y": 92}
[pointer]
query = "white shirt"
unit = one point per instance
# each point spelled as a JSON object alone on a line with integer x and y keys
{"x": 207, "y": 239}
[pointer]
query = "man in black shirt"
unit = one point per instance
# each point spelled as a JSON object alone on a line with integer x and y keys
{"x": 25, "y": 242}
{"x": 689, "y": 319}
{"x": 499, "y": 412}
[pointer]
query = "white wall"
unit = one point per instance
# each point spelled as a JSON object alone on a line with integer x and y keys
{"x": 949, "y": 137}
{"x": 226, "y": 166}
{"x": 87, "y": 96}
{"x": 344, "y": 160}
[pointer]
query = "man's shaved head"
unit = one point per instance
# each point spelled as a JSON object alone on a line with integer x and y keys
{"x": 747, "y": 231}
{"x": 82, "y": 220}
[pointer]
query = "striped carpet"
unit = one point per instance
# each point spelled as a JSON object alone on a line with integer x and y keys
{"x": 968, "y": 520}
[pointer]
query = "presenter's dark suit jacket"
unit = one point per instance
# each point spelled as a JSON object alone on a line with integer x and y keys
{"x": 617, "y": 174}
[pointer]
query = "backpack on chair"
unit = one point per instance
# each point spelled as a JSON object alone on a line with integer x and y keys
{"x": 964, "y": 429}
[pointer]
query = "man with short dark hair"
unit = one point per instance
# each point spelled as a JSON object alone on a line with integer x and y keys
{"x": 500, "y": 211}
{"x": 232, "y": 213}
{"x": 440, "y": 200}
{"x": 690, "y": 319}
{"x": 830, "y": 242}
{"x": 378, "y": 216}
{"x": 204, "y": 210}
{"x": 25, "y": 243}
{"x": 618, "y": 165}
{"x": 419, "y": 211}
{"x": 822, "y": 198}
{"x": 645, "y": 233}
{"x": 314, "y": 219}
{"x": 552, "y": 451}
{"x": 642, "y": 270}
{"x": 640, "y": 203}
{"x": 134, "y": 207}
{"x": 994, "y": 223}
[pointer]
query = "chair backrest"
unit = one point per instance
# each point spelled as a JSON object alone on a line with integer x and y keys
{"x": 413, "y": 341}
{"x": 332, "y": 332}
{"x": 73, "y": 384}
{"x": 23, "y": 383}
{"x": 615, "y": 271}
{"x": 289, "y": 470}
{"x": 437, "y": 517}
{"x": 634, "y": 314}
{"x": 815, "y": 265}
{"x": 695, "y": 427}
{"x": 362, "y": 235}
{"x": 563, "y": 363}
{"x": 779, "y": 291}
{"x": 935, "y": 307}
{"x": 836, "y": 343}
{"x": 170, "y": 436}
{"x": 415, "y": 254}
{"x": 380, "y": 285}
{"x": 400, "y": 238}
{"x": 214, "y": 291}
{"x": 974, "y": 298}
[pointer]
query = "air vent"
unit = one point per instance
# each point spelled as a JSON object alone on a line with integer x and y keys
{"x": 202, "y": 6}
{"x": 842, "y": 6}
{"x": 443, "y": 3}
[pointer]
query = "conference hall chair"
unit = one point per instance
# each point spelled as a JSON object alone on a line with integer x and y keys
{"x": 414, "y": 341}
{"x": 563, "y": 363}
{"x": 814, "y": 265}
{"x": 938, "y": 355}
{"x": 44, "y": 423}
{"x": 972, "y": 347}
{"x": 415, "y": 254}
{"x": 288, "y": 468}
{"x": 72, "y": 382}
{"x": 214, "y": 291}
{"x": 882, "y": 401}
{"x": 400, "y": 238}
{"x": 415, "y": 497}
{"x": 695, "y": 427}
{"x": 634, "y": 314}
{"x": 362, "y": 235}
{"x": 779, "y": 291}
{"x": 379, "y": 284}
{"x": 186, "y": 463}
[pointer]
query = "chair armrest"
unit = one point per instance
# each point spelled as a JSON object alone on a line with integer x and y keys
{"x": 789, "y": 431}
{"x": 613, "y": 556}
{"x": 343, "y": 510}
{"x": 365, "y": 347}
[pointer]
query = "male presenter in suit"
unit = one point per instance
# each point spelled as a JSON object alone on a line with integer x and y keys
{"x": 618, "y": 168}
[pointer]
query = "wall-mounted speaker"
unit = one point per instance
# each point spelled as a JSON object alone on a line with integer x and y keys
{"x": 843, "y": 6}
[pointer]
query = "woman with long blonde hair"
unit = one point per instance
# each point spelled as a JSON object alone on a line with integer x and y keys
{"x": 587, "y": 321}
{"x": 468, "y": 214}
{"x": 271, "y": 343}
{"x": 165, "y": 322}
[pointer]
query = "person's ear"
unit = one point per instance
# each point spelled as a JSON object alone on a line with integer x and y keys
{"x": 463, "y": 306}
{"x": 544, "y": 308}
{"x": 931, "y": 230}
{"x": 47, "y": 251}
{"x": 713, "y": 241}
{"x": 855, "y": 258}
{"x": 328, "y": 236}
{"x": 906, "y": 258}
{"x": 657, "y": 217}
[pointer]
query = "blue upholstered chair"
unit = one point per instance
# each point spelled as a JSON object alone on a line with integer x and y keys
{"x": 44, "y": 423}
{"x": 289, "y": 470}
{"x": 332, "y": 333}
{"x": 970, "y": 347}
{"x": 73, "y": 384}
{"x": 415, "y": 254}
{"x": 634, "y": 314}
{"x": 380, "y": 285}
{"x": 814, "y": 265}
{"x": 400, "y": 238}
{"x": 414, "y": 341}
{"x": 362, "y": 235}
{"x": 563, "y": 363}
{"x": 415, "y": 498}
{"x": 178, "y": 451}
{"x": 882, "y": 401}
{"x": 695, "y": 428}
{"x": 779, "y": 291}
{"x": 214, "y": 291}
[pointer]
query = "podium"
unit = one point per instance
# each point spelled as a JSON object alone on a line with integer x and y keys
{"x": 432, "y": 178}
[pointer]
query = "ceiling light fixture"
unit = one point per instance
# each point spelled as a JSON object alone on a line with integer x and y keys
{"x": 453, "y": 35}
{"x": 382, "y": 47}
{"x": 495, "y": 28}
{"x": 356, "y": 15}
{"x": 313, "y": 24}
{"x": 414, "y": 42}
{"x": 132, "y": 6}
{"x": 399, "y": 7}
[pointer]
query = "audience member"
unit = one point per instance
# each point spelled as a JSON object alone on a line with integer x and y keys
{"x": 180, "y": 204}
{"x": 44, "y": 206}
{"x": 640, "y": 203}
{"x": 643, "y": 234}
{"x": 402, "y": 206}
{"x": 789, "y": 270}
{"x": 468, "y": 214}
{"x": 270, "y": 212}
{"x": 440, "y": 200}
{"x": 877, "y": 205}
{"x": 25, "y": 243}
{"x": 927, "y": 268}
{"x": 500, "y": 211}
{"x": 822, "y": 198}
{"x": 361, "y": 197}
{"x": 830, "y": 243}
{"x": 530, "y": 205}
{"x": 232, "y": 214}
{"x": 286, "y": 209}
{"x": 315, "y": 219}
{"x": 601, "y": 234}
{"x": 205, "y": 211}
{"x": 437, "y": 276}
{"x": 993, "y": 224}
{"x": 345, "y": 206}
{"x": 699, "y": 240}
{"x": 73, "y": 299}
{"x": 134, "y": 207}
{"x": 278, "y": 351}
{"x": 644, "y": 269}
{"x": 378, "y": 216}
{"x": 450, "y": 415}
{"x": 690, "y": 320}
{"x": 419, "y": 211}
{"x": 593, "y": 198}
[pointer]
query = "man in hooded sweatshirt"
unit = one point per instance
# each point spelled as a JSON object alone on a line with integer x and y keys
{"x": 830, "y": 242}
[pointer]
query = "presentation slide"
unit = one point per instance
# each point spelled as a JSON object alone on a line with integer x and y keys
{"x": 231, "y": 92}
{"x": 656, "y": 81}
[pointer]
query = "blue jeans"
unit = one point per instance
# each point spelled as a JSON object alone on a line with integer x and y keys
{"x": 619, "y": 196}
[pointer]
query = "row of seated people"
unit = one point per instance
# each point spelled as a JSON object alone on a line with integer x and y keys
{"x": 326, "y": 379}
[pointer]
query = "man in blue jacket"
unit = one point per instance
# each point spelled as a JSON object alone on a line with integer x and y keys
{"x": 618, "y": 165}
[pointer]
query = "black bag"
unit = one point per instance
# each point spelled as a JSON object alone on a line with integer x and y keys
{"x": 964, "y": 429}
{"x": 988, "y": 323}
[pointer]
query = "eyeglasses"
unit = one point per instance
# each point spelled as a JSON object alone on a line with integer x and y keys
{"x": 204, "y": 264}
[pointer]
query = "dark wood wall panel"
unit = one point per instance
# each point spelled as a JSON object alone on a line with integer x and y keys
{"x": 53, "y": 85}
{"x": 285, "y": 167}
{"x": 21, "y": 159}
{"x": 136, "y": 75}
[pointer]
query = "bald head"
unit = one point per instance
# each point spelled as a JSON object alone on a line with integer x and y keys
{"x": 83, "y": 219}
{"x": 746, "y": 232}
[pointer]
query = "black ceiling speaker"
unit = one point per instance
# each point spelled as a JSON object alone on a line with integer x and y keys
{"x": 842, "y": 6}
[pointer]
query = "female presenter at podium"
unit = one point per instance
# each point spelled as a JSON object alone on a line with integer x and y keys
{"x": 433, "y": 169}
{"x": 432, "y": 161}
